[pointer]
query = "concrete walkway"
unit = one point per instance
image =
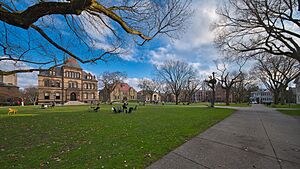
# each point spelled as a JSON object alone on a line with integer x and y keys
{"x": 256, "y": 137}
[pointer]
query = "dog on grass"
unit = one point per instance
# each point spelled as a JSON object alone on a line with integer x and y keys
{"x": 12, "y": 111}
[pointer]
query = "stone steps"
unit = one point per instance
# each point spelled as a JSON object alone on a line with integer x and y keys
{"x": 74, "y": 103}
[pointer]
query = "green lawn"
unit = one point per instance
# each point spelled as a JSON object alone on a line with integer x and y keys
{"x": 234, "y": 104}
{"x": 285, "y": 106}
{"x": 291, "y": 112}
{"x": 72, "y": 137}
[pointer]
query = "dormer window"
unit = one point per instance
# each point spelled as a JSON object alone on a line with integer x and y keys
{"x": 52, "y": 73}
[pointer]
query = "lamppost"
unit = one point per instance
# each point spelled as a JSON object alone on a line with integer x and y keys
{"x": 211, "y": 82}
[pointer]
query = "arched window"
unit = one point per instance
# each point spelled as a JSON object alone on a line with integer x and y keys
{"x": 93, "y": 96}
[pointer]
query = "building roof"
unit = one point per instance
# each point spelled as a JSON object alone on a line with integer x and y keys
{"x": 72, "y": 62}
{"x": 124, "y": 87}
{"x": 57, "y": 70}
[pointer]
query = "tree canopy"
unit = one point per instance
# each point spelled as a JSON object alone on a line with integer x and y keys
{"x": 43, "y": 33}
{"x": 252, "y": 27}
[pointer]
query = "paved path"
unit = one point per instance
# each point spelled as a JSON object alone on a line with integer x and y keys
{"x": 256, "y": 137}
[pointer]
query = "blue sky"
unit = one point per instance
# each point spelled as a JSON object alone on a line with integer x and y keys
{"x": 195, "y": 46}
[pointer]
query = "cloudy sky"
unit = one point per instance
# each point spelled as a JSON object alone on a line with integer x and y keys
{"x": 195, "y": 47}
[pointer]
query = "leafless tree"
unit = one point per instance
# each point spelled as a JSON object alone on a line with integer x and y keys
{"x": 241, "y": 90}
{"x": 193, "y": 85}
{"x": 229, "y": 76}
{"x": 30, "y": 94}
{"x": 251, "y": 27}
{"x": 276, "y": 72}
{"x": 148, "y": 86}
{"x": 43, "y": 33}
{"x": 211, "y": 83}
{"x": 108, "y": 81}
{"x": 175, "y": 74}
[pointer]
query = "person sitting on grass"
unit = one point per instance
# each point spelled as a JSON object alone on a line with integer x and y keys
{"x": 97, "y": 108}
{"x": 125, "y": 107}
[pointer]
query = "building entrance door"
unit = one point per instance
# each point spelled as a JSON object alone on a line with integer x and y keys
{"x": 73, "y": 97}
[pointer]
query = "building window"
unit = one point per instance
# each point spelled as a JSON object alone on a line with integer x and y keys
{"x": 47, "y": 83}
{"x": 93, "y": 96}
{"x": 72, "y": 84}
{"x": 85, "y": 96}
{"x": 84, "y": 86}
{"x": 57, "y": 96}
{"x": 57, "y": 84}
{"x": 52, "y": 73}
{"x": 47, "y": 96}
{"x": 52, "y": 84}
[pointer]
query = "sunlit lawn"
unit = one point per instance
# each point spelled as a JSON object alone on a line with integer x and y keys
{"x": 285, "y": 106}
{"x": 73, "y": 137}
{"x": 291, "y": 112}
{"x": 234, "y": 104}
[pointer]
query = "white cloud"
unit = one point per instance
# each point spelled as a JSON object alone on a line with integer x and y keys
{"x": 199, "y": 32}
{"x": 24, "y": 79}
{"x": 133, "y": 82}
{"x": 197, "y": 44}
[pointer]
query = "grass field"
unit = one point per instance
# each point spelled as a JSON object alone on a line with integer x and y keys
{"x": 234, "y": 104}
{"x": 286, "y": 106}
{"x": 291, "y": 112}
{"x": 73, "y": 137}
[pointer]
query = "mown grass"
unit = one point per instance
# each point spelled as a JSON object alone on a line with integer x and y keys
{"x": 285, "y": 106}
{"x": 234, "y": 104}
{"x": 291, "y": 112}
{"x": 73, "y": 137}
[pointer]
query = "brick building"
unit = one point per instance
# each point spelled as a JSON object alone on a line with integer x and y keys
{"x": 123, "y": 92}
{"x": 67, "y": 83}
{"x": 148, "y": 96}
{"x": 9, "y": 91}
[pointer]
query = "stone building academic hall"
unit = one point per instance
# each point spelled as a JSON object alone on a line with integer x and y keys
{"x": 68, "y": 83}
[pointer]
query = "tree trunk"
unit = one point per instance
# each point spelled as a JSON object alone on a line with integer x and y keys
{"x": 176, "y": 99}
{"x": 276, "y": 97}
{"x": 213, "y": 97}
{"x": 282, "y": 96}
{"x": 227, "y": 91}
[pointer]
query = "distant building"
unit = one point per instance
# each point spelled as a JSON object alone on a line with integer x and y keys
{"x": 167, "y": 97}
{"x": 123, "y": 92}
{"x": 146, "y": 96}
{"x": 261, "y": 96}
{"x": 9, "y": 91}
{"x": 9, "y": 79}
{"x": 297, "y": 82}
{"x": 67, "y": 83}
{"x": 202, "y": 96}
{"x": 206, "y": 95}
{"x": 221, "y": 94}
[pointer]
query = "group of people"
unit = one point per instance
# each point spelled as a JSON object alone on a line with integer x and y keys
{"x": 124, "y": 108}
